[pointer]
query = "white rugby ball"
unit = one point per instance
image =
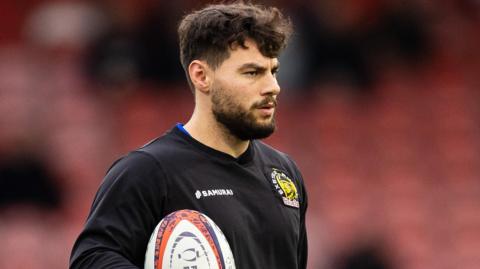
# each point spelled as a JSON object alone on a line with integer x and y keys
{"x": 188, "y": 239}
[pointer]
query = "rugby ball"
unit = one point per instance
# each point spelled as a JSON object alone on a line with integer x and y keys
{"x": 188, "y": 239}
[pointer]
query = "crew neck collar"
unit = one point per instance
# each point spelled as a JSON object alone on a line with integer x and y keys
{"x": 244, "y": 158}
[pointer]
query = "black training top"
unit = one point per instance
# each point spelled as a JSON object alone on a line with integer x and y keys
{"x": 258, "y": 200}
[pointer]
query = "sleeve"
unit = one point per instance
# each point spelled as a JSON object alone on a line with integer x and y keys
{"x": 302, "y": 252}
{"x": 303, "y": 243}
{"x": 125, "y": 211}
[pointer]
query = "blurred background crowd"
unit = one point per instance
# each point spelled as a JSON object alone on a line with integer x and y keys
{"x": 380, "y": 109}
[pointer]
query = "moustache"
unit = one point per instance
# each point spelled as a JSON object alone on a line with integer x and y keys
{"x": 266, "y": 102}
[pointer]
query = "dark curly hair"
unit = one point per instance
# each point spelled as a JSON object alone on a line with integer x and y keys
{"x": 208, "y": 34}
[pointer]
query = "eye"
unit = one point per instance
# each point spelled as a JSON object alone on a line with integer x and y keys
{"x": 275, "y": 72}
{"x": 251, "y": 73}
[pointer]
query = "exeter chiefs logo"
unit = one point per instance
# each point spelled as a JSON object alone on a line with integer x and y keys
{"x": 285, "y": 187}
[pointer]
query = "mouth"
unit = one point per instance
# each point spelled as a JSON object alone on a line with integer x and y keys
{"x": 267, "y": 109}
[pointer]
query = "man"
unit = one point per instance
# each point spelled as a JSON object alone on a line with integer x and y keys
{"x": 213, "y": 163}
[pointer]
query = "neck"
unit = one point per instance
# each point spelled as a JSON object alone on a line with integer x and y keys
{"x": 213, "y": 134}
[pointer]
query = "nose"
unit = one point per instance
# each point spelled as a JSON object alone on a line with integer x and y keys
{"x": 271, "y": 86}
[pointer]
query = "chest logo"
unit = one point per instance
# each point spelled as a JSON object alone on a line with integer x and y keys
{"x": 214, "y": 192}
{"x": 285, "y": 187}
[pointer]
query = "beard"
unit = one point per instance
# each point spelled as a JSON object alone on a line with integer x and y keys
{"x": 240, "y": 122}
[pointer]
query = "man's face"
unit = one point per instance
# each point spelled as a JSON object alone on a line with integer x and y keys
{"x": 244, "y": 93}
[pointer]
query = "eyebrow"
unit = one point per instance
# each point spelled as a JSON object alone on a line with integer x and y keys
{"x": 258, "y": 67}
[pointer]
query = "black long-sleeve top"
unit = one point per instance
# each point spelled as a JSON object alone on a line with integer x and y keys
{"x": 258, "y": 200}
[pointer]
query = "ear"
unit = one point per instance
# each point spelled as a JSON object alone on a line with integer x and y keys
{"x": 200, "y": 75}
